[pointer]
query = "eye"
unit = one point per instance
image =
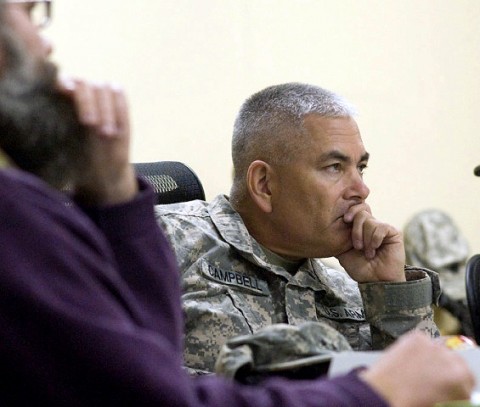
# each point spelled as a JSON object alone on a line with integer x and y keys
{"x": 38, "y": 11}
{"x": 335, "y": 167}
{"x": 362, "y": 168}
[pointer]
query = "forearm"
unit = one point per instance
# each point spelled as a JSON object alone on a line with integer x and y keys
{"x": 143, "y": 257}
{"x": 342, "y": 391}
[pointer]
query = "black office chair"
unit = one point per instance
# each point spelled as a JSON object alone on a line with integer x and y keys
{"x": 472, "y": 282}
{"x": 172, "y": 181}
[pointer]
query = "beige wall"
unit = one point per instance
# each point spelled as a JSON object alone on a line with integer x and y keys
{"x": 412, "y": 68}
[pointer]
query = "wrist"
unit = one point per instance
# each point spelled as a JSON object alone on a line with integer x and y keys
{"x": 378, "y": 383}
{"x": 105, "y": 192}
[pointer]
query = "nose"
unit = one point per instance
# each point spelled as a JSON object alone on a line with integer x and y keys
{"x": 47, "y": 46}
{"x": 356, "y": 187}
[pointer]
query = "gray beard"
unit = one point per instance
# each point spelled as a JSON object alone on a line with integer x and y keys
{"x": 39, "y": 129}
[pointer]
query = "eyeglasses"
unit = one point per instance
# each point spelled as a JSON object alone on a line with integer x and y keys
{"x": 40, "y": 11}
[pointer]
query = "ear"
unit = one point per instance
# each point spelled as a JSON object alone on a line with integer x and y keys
{"x": 259, "y": 179}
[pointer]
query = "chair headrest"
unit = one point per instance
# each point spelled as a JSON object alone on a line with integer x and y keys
{"x": 172, "y": 181}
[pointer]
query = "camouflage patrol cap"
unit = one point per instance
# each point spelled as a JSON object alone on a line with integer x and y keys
{"x": 300, "y": 352}
{"x": 432, "y": 240}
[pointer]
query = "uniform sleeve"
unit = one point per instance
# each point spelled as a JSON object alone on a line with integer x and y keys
{"x": 395, "y": 308}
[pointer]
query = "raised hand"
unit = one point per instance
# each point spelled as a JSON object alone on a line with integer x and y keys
{"x": 377, "y": 252}
{"x": 109, "y": 177}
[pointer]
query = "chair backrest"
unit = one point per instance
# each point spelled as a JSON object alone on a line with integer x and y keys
{"x": 172, "y": 181}
{"x": 472, "y": 283}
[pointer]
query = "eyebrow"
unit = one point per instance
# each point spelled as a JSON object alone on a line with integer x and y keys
{"x": 337, "y": 155}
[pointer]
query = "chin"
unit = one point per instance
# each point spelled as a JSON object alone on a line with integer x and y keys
{"x": 333, "y": 249}
{"x": 342, "y": 248}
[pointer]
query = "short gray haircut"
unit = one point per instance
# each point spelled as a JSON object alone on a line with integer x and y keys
{"x": 269, "y": 125}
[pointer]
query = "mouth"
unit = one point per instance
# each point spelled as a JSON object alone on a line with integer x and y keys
{"x": 341, "y": 218}
{"x": 343, "y": 224}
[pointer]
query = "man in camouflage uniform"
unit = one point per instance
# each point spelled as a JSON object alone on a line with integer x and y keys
{"x": 298, "y": 195}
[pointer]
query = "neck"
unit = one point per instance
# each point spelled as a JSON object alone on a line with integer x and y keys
{"x": 260, "y": 227}
{"x": 291, "y": 265}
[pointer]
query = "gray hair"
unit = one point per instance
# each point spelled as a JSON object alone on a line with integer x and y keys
{"x": 269, "y": 125}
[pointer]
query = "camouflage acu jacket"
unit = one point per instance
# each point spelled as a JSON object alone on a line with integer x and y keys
{"x": 230, "y": 288}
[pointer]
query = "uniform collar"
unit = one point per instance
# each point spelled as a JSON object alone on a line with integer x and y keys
{"x": 291, "y": 266}
{"x": 230, "y": 226}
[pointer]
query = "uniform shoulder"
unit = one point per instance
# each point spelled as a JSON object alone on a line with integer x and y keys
{"x": 190, "y": 208}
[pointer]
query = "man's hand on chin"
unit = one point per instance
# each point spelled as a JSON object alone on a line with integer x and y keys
{"x": 377, "y": 252}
